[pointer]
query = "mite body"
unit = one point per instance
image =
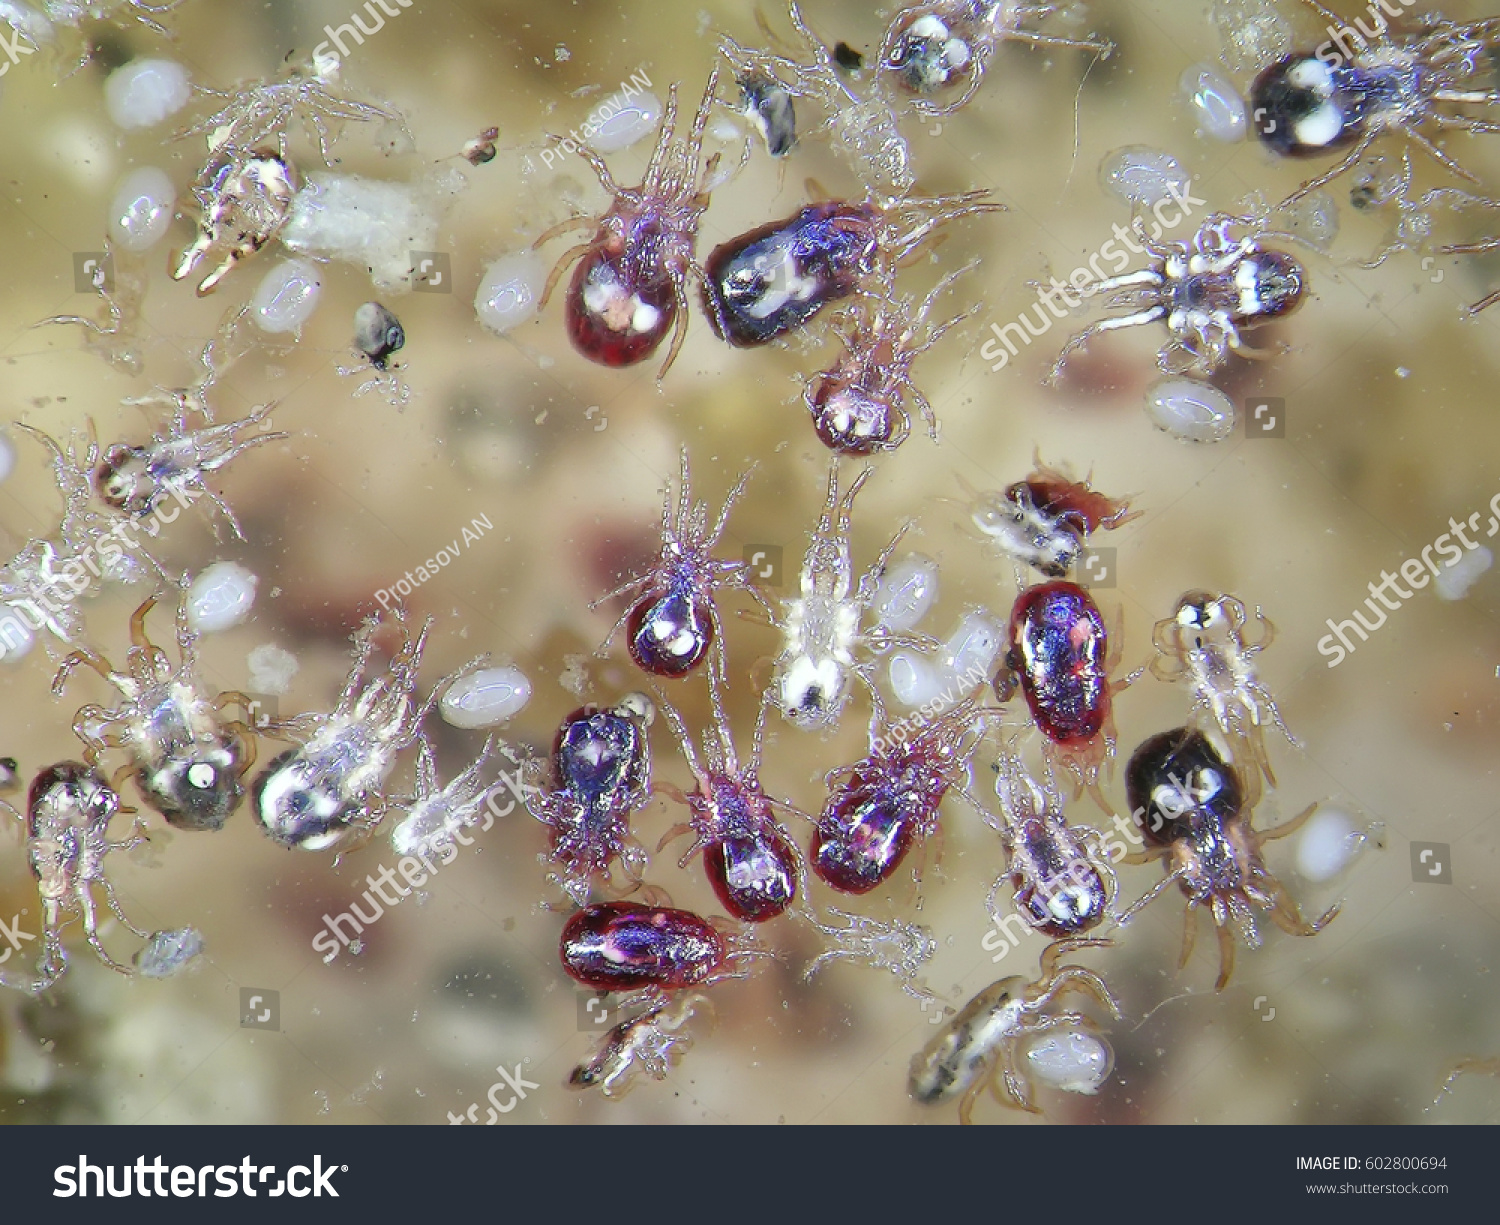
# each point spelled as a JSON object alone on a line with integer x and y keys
{"x": 312, "y": 796}
{"x": 1345, "y": 97}
{"x": 629, "y": 290}
{"x": 983, "y": 1044}
{"x": 187, "y": 760}
{"x": 943, "y": 47}
{"x": 1193, "y": 809}
{"x": 1202, "y": 645}
{"x": 1046, "y": 520}
{"x": 888, "y": 802}
{"x": 751, "y": 862}
{"x": 1209, "y": 291}
{"x": 674, "y": 623}
{"x": 601, "y": 766}
{"x": 624, "y": 946}
{"x": 774, "y": 279}
{"x": 1061, "y": 657}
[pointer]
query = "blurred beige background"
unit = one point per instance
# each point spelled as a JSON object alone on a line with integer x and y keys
{"x": 1391, "y": 430}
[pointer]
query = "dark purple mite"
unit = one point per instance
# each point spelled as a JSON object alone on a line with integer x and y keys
{"x": 602, "y": 769}
{"x": 1176, "y": 779}
{"x": 1058, "y": 873}
{"x": 772, "y": 280}
{"x": 1058, "y": 652}
{"x": 673, "y": 623}
{"x": 1191, "y": 806}
{"x": 751, "y": 862}
{"x": 764, "y": 284}
{"x": 621, "y": 946}
{"x": 888, "y": 802}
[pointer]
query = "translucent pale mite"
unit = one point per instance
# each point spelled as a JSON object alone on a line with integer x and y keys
{"x": 1202, "y": 645}
{"x": 1061, "y": 658}
{"x": 649, "y": 950}
{"x": 601, "y": 774}
{"x": 862, "y": 130}
{"x": 34, "y": 25}
{"x": 820, "y": 625}
{"x": 1193, "y": 808}
{"x": 776, "y": 277}
{"x": 69, "y": 808}
{"x": 888, "y": 802}
{"x": 262, "y": 111}
{"x": 435, "y": 813}
{"x": 629, "y": 289}
{"x": 1348, "y": 94}
{"x": 1209, "y": 291}
{"x": 187, "y": 759}
{"x": 652, "y": 1041}
{"x": 1046, "y": 520}
{"x": 893, "y": 945}
{"x": 245, "y": 198}
{"x": 116, "y": 334}
{"x": 981, "y": 1046}
{"x": 934, "y": 48}
{"x": 313, "y": 796}
{"x": 134, "y": 481}
{"x": 750, "y": 860}
{"x": 673, "y": 625}
{"x": 1060, "y": 874}
{"x": 858, "y": 405}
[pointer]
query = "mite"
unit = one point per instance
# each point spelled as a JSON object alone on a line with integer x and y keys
{"x": 751, "y": 862}
{"x": 601, "y": 767}
{"x": 673, "y": 624}
{"x": 1061, "y": 657}
{"x": 313, "y": 796}
{"x": 188, "y": 761}
{"x": 1193, "y": 809}
{"x": 69, "y": 808}
{"x": 774, "y": 279}
{"x": 652, "y": 1042}
{"x": 625, "y": 946}
{"x": 858, "y": 405}
{"x": 1209, "y": 291}
{"x": 887, "y": 802}
{"x": 940, "y": 47}
{"x": 630, "y": 287}
{"x": 820, "y": 625}
{"x": 245, "y": 198}
{"x": 1202, "y": 645}
{"x": 1061, "y": 876}
{"x": 1344, "y": 97}
{"x": 983, "y": 1045}
{"x": 1046, "y": 520}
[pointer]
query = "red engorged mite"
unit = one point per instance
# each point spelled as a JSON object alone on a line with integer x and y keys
{"x": 630, "y": 287}
{"x": 622, "y": 946}
{"x": 1060, "y": 654}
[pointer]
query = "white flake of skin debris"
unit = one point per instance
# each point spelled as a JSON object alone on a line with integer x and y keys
{"x": 372, "y": 224}
{"x": 485, "y": 698}
{"x": 1457, "y": 577}
{"x": 220, "y": 597}
{"x": 271, "y": 669}
{"x": 1142, "y": 176}
{"x": 145, "y": 92}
